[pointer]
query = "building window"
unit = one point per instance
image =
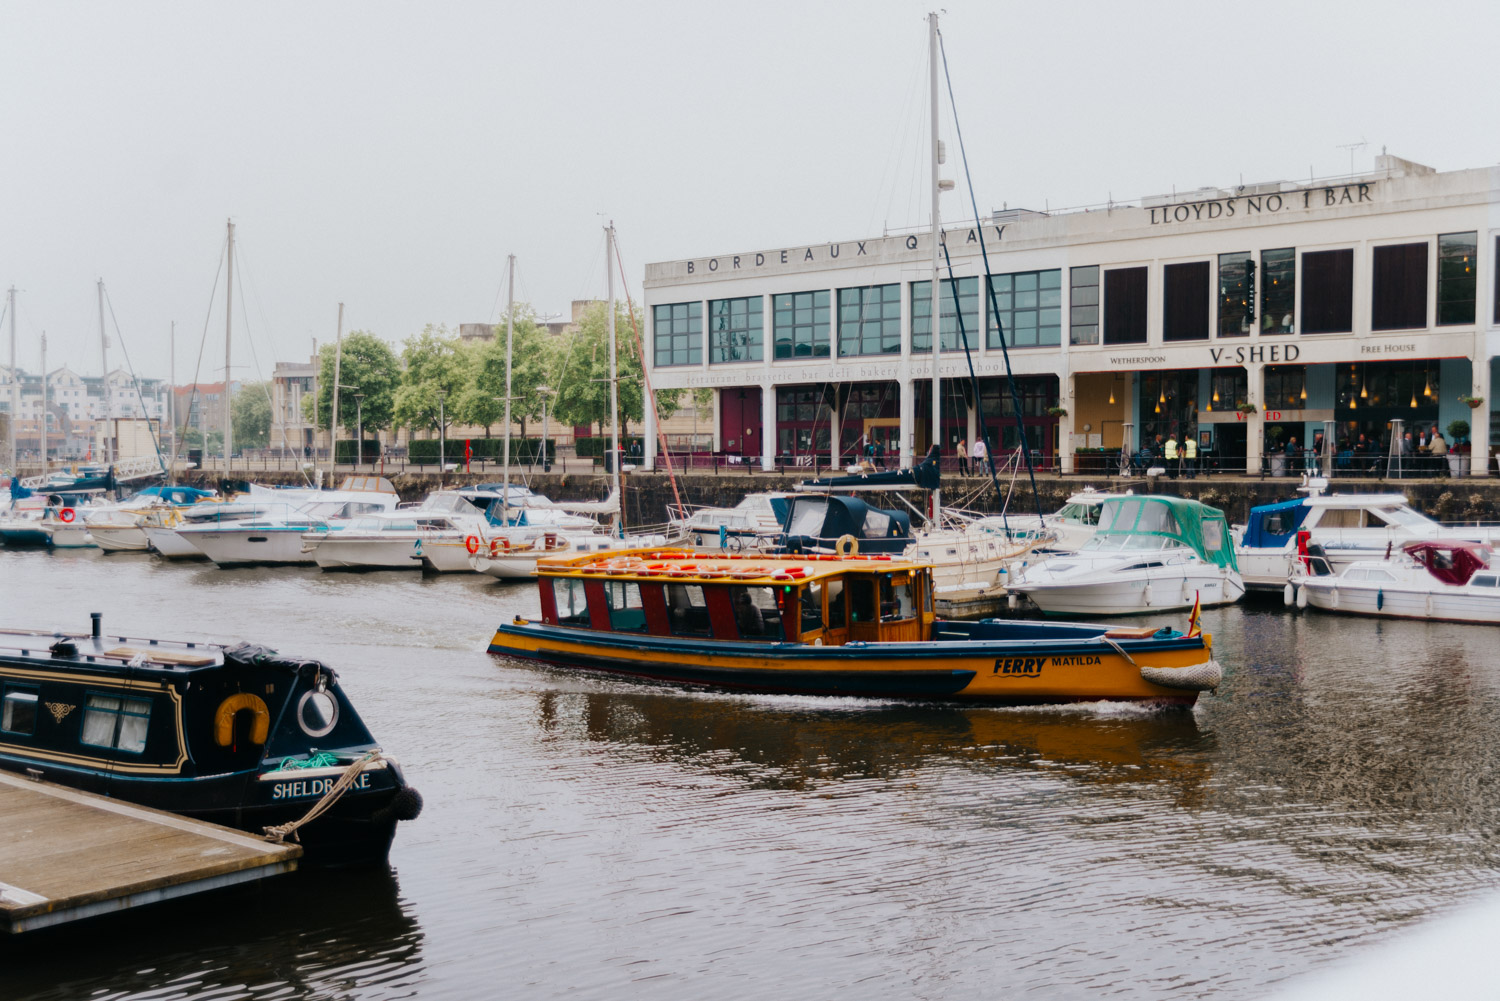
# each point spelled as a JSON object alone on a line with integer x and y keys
{"x": 1125, "y": 306}
{"x": 1328, "y": 292}
{"x": 111, "y": 721}
{"x": 735, "y": 330}
{"x": 1229, "y": 389}
{"x": 870, "y": 320}
{"x": 1286, "y": 387}
{"x": 921, "y": 314}
{"x": 1457, "y": 278}
{"x": 18, "y": 714}
{"x": 1185, "y": 301}
{"x": 1083, "y": 305}
{"x": 1028, "y": 309}
{"x": 800, "y": 324}
{"x": 1278, "y": 290}
{"x": 1398, "y": 299}
{"x": 678, "y": 334}
{"x": 1236, "y": 294}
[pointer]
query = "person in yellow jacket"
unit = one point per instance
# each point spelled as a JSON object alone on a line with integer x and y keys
{"x": 1171, "y": 455}
{"x": 1190, "y": 456}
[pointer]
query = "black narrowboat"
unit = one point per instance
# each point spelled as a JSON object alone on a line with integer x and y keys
{"x": 235, "y": 735}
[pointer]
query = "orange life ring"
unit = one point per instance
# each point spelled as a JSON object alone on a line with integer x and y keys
{"x": 472, "y": 544}
{"x": 224, "y": 718}
{"x": 65, "y": 515}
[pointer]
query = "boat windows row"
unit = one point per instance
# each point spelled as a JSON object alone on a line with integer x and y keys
{"x": 109, "y": 721}
{"x": 1277, "y": 291}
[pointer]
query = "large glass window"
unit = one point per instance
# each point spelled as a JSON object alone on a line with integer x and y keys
{"x": 800, "y": 324}
{"x": 1028, "y": 309}
{"x": 18, "y": 714}
{"x": 572, "y": 606}
{"x": 111, "y": 721}
{"x": 1185, "y": 301}
{"x": 1083, "y": 305}
{"x": 1236, "y": 294}
{"x": 735, "y": 328}
{"x": 870, "y": 320}
{"x": 756, "y": 613}
{"x": 921, "y": 314}
{"x": 1230, "y": 389}
{"x": 1278, "y": 290}
{"x": 1328, "y": 292}
{"x": 627, "y": 612}
{"x": 1398, "y": 287}
{"x": 1125, "y": 306}
{"x": 1457, "y": 277}
{"x": 677, "y": 331}
{"x": 1286, "y": 387}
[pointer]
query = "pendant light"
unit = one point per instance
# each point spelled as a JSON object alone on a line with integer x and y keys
{"x": 1162, "y": 398}
{"x": 1427, "y": 389}
{"x": 1216, "y": 394}
{"x": 1304, "y": 391}
{"x": 1111, "y": 392}
{"x": 1158, "y": 408}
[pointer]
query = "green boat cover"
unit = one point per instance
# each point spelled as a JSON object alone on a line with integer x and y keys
{"x": 1202, "y": 528}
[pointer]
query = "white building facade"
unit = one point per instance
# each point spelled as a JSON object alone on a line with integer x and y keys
{"x": 1243, "y": 317}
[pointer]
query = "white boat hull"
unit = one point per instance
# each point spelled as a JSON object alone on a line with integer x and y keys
{"x": 170, "y": 545}
{"x": 1138, "y": 594}
{"x": 1395, "y": 602}
{"x": 74, "y": 535}
{"x": 120, "y": 538}
{"x": 229, "y": 547}
{"x": 446, "y": 557}
{"x": 336, "y": 553}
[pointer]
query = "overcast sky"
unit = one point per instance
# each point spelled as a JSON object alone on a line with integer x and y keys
{"x": 391, "y": 155}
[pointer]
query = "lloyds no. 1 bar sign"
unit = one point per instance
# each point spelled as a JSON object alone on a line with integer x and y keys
{"x": 1255, "y": 205}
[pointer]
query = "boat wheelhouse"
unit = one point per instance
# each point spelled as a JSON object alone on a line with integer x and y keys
{"x": 859, "y": 625}
{"x": 235, "y": 735}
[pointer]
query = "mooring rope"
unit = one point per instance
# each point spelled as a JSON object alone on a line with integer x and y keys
{"x": 281, "y": 832}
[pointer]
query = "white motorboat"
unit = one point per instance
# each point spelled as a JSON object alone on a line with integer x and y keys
{"x": 121, "y": 527}
{"x": 751, "y": 525}
{"x": 391, "y": 540}
{"x": 1342, "y": 528}
{"x": 1442, "y": 581}
{"x": 1063, "y": 531}
{"x": 520, "y": 561}
{"x": 1149, "y": 554}
{"x": 66, "y": 529}
{"x": 275, "y": 532}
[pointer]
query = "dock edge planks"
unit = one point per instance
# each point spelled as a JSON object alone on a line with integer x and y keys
{"x": 66, "y": 855}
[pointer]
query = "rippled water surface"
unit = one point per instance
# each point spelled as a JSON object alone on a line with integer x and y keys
{"x": 593, "y": 838}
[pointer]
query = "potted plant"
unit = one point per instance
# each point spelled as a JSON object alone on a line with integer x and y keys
{"x": 1458, "y": 448}
{"x": 1273, "y": 440}
{"x": 1246, "y": 408}
{"x": 1471, "y": 401}
{"x": 1057, "y": 411}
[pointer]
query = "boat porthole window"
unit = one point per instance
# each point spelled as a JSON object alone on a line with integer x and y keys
{"x": 317, "y": 713}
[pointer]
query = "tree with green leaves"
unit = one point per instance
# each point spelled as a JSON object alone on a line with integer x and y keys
{"x": 583, "y": 373}
{"x": 368, "y": 363}
{"x": 532, "y": 365}
{"x": 436, "y": 362}
{"x": 251, "y": 413}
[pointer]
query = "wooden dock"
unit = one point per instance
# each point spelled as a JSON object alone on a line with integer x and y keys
{"x": 66, "y": 855}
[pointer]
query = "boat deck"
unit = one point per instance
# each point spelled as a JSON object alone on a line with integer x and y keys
{"x": 67, "y": 855}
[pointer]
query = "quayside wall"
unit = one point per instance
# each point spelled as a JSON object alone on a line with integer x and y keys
{"x": 648, "y": 494}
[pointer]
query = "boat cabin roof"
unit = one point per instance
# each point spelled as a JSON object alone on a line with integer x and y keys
{"x": 111, "y": 653}
{"x": 1450, "y": 561}
{"x": 683, "y": 567}
{"x": 1175, "y": 519}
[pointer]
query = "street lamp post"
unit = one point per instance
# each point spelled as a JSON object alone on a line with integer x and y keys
{"x": 359, "y": 429}
{"x": 544, "y": 392}
{"x": 442, "y": 435}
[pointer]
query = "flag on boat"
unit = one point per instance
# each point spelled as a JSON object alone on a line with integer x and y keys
{"x": 1195, "y": 628}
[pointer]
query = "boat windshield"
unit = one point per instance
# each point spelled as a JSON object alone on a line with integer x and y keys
{"x": 1402, "y": 516}
{"x": 1083, "y": 514}
{"x": 1127, "y": 543}
{"x": 808, "y": 514}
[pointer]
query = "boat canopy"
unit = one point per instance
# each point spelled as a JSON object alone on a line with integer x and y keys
{"x": 1186, "y": 522}
{"x": 924, "y": 476}
{"x": 819, "y": 522}
{"x": 1451, "y": 562}
{"x": 176, "y": 495}
{"x": 1272, "y": 526}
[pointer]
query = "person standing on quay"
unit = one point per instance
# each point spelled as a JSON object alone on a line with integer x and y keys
{"x": 977, "y": 453}
{"x": 1170, "y": 455}
{"x": 963, "y": 457}
{"x": 1190, "y": 456}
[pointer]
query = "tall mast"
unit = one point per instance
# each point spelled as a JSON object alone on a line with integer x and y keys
{"x": 228, "y": 317}
{"x": 937, "y": 340}
{"x": 43, "y": 435}
{"x": 15, "y": 384}
{"x": 104, "y": 382}
{"x": 510, "y": 325}
{"x": 172, "y": 396}
{"x": 333, "y": 415}
{"x": 614, "y": 375}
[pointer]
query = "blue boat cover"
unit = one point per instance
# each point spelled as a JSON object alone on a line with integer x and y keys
{"x": 1272, "y": 526}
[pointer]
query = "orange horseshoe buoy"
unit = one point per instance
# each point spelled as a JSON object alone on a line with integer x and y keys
{"x": 472, "y": 544}
{"x": 224, "y": 718}
{"x": 65, "y": 515}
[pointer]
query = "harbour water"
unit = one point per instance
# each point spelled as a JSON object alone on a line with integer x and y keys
{"x": 594, "y": 838}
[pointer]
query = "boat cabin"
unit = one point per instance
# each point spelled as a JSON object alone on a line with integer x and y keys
{"x": 1455, "y": 563}
{"x": 1153, "y": 523}
{"x": 816, "y": 522}
{"x": 823, "y": 600}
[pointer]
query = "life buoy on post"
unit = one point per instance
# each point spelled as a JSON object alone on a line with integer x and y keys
{"x": 847, "y": 545}
{"x": 224, "y": 718}
{"x": 472, "y": 544}
{"x": 65, "y": 515}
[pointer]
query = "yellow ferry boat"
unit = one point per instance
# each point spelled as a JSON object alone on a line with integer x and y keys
{"x": 834, "y": 625}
